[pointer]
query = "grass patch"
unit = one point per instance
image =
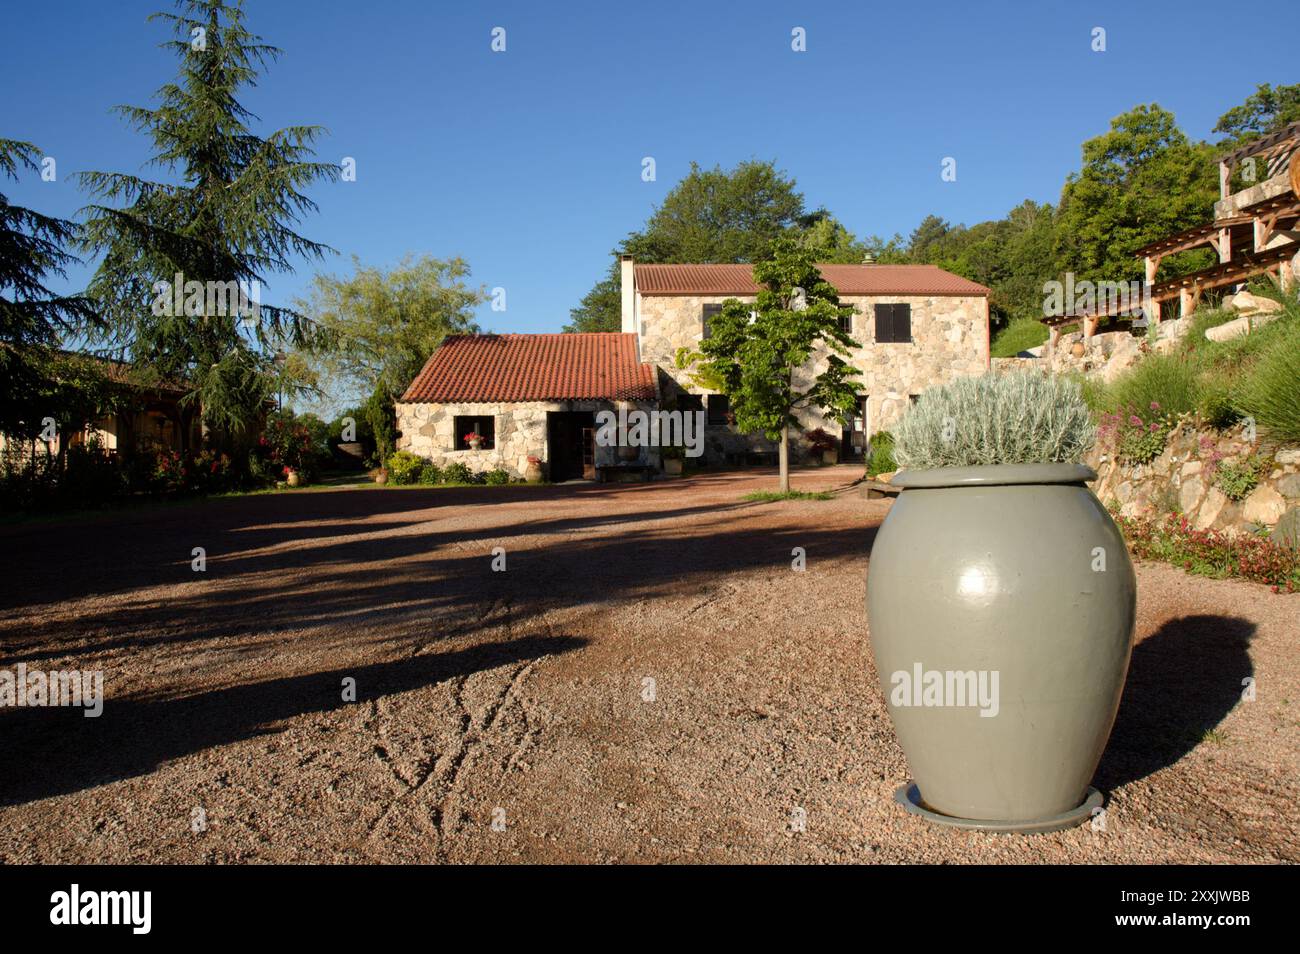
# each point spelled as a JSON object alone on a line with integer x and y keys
{"x": 1020, "y": 334}
{"x": 770, "y": 496}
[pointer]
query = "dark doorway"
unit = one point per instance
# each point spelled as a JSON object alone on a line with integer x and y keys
{"x": 571, "y": 445}
{"x": 853, "y": 435}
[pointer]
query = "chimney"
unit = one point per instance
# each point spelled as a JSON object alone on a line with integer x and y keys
{"x": 627, "y": 274}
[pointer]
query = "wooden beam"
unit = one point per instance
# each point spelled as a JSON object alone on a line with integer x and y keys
{"x": 1152, "y": 262}
{"x": 1225, "y": 245}
{"x": 1184, "y": 302}
{"x": 1225, "y": 175}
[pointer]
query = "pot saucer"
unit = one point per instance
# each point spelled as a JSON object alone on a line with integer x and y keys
{"x": 909, "y": 796}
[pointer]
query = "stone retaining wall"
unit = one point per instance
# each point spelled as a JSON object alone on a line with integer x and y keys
{"x": 1182, "y": 478}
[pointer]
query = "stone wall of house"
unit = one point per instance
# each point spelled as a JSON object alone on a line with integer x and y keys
{"x": 1183, "y": 478}
{"x": 520, "y": 432}
{"x": 949, "y": 340}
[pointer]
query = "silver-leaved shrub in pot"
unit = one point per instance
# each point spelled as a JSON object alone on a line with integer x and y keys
{"x": 1001, "y": 605}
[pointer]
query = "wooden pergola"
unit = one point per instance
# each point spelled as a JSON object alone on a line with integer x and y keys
{"x": 1245, "y": 240}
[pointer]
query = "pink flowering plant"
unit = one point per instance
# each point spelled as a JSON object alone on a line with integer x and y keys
{"x": 1132, "y": 437}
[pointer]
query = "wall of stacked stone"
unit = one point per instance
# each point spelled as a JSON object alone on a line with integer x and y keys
{"x": 1183, "y": 478}
{"x": 429, "y": 431}
{"x": 949, "y": 340}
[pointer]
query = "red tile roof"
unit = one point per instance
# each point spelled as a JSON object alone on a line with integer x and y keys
{"x": 549, "y": 367}
{"x": 847, "y": 279}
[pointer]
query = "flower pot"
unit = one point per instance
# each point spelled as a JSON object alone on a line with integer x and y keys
{"x": 292, "y": 478}
{"x": 533, "y": 473}
{"x": 1015, "y": 570}
{"x": 381, "y": 476}
{"x": 673, "y": 466}
{"x": 475, "y": 445}
{"x": 830, "y": 457}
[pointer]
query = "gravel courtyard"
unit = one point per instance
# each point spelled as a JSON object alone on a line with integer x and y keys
{"x": 648, "y": 680}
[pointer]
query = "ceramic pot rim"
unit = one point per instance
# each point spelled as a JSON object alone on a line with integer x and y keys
{"x": 992, "y": 475}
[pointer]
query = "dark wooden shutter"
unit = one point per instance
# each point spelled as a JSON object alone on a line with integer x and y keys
{"x": 902, "y": 322}
{"x": 893, "y": 323}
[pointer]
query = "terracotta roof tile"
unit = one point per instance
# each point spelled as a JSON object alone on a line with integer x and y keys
{"x": 546, "y": 367}
{"x": 847, "y": 279}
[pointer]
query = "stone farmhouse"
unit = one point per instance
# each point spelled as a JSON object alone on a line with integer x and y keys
{"x": 538, "y": 395}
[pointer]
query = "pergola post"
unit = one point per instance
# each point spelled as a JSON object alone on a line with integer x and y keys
{"x": 1225, "y": 177}
{"x": 1184, "y": 302}
{"x": 1053, "y": 336}
{"x": 1089, "y": 326}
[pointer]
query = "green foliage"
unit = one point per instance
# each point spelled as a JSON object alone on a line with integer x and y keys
{"x": 717, "y": 215}
{"x": 1139, "y": 182}
{"x": 1237, "y": 480}
{"x": 405, "y": 468}
{"x": 381, "y": 418}
{"x": 1132, "y": 438}
{"x": 1169, "y": 382}
{"x": 496, "y": 477}
{"x": 226, "y": 214}
{"x": 430, "y": 474}
{"x": 32, "y": 317}
{"x": 1020, "y": 334}
{"x": 379, "y": 326}
{"x": 457, "y": 473}
{"x": 1271, "y": 392}
{"x": 754, "y": 349}
{"x": 1173, "y": 539}
{"x": 1019, "y": 418}
{"x": 1265, "y": 110}
{"x": 299, "y": 443}
{"x": 880, "y": 454}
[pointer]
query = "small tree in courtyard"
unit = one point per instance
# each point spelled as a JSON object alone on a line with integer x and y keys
{"x": 760, "y": 355}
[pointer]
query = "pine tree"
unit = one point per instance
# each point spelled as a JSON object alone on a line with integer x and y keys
{"x": 226, "y": 221}
{"x": 33, "y": 319}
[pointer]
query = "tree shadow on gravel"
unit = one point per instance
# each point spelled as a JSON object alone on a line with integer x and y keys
{"x": 1183, "y": 680}
{"x": 49, "y": 752}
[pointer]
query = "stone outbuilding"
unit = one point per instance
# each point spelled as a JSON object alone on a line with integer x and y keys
{"x": 524, "y": 396}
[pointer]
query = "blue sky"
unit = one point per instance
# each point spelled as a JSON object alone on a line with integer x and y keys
{"x": 528, "y": 163}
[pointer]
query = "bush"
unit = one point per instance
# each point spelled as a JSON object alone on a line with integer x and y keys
{"x": 1271, "y": 392}
{"x": 430, "y": 474}
{"x": 1216, "y": 407}
{"x": 1237, "y": 481}
{"x": 496, "y": 477}
{"x": 1170, "y": 382}
{"x": 404, "y": 467}
{"x": 300, "y": 443}
{"x": 1019, "y": 418}
{"x": 1211, "y": 552}
{"x": 1127, "y": 436}
{"x": 457, "y": 473}
{"x": 880, "y": 454}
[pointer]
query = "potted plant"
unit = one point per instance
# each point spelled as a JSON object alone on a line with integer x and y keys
{"x": 381, "y": 475}
{"x": 474, "y": 440}
{"x": 533, "y": 472}
{"x": 672, "y": 458}
{"x": 1001, "y": 604}
{"x": 824, "y": 447}
{"x": 291, "y": 477}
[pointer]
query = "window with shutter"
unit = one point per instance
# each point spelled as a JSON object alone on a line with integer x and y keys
{"x": 893, "y": 323}
{"x": 706, "y": 315}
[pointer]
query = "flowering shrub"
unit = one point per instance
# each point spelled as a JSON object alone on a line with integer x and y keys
{"x": 1173, "y": 539}
{"x": 292, "y": 442}
{"x": 169, "y": 471}
{"x": 1125, "y": 435}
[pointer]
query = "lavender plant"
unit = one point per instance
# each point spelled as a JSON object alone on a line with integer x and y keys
{"x": 1024, "y": 417}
